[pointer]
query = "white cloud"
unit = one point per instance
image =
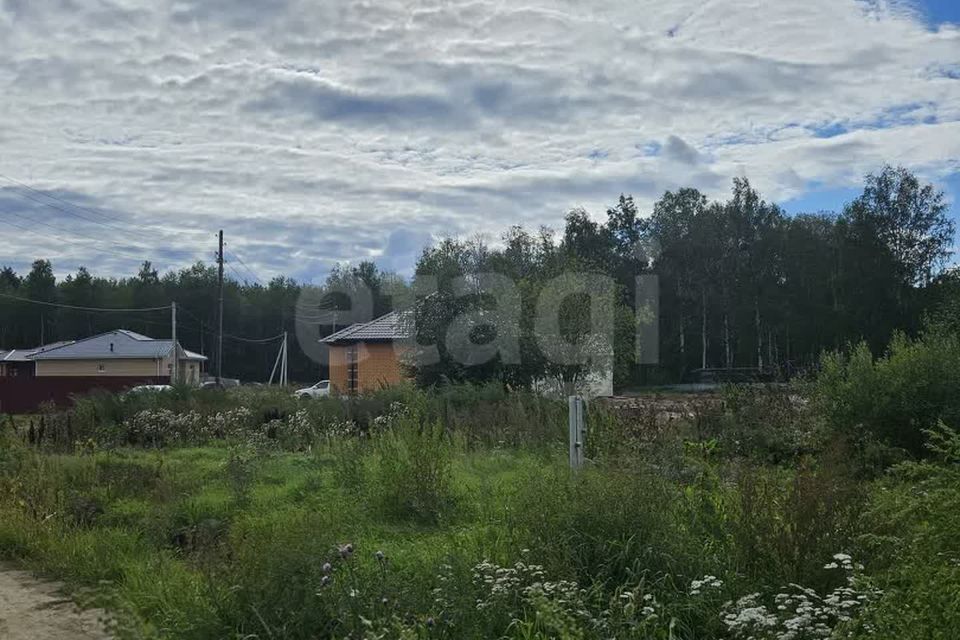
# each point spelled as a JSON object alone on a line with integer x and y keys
{"x": 322, "y": 132}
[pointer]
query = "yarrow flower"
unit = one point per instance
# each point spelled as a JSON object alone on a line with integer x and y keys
{"x": 712, "y": 582}
{"x": 799, "y": 612}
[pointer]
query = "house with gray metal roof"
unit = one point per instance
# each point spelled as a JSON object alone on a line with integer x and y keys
{"x": 116, "y": 353}
{"x": 111, "y": 361}
{"x": 17, "y": 361}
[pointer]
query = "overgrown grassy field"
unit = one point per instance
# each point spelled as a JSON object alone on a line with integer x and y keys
{"x": 452, "y": 514}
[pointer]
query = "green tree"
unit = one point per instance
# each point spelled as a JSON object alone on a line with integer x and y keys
{"x": 40, "y": 322}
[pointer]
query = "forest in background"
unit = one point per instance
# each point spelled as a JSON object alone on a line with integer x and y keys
{"x": 742, "y": 283}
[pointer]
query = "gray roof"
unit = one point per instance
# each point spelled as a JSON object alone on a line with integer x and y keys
{"x": 396, "y": 325}
{"x": 113, "y": 344}
{"x": 23, "y": 355}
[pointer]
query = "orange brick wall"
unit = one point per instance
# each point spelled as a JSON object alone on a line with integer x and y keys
{"x": 379, "y": 366}
{"x": 338, "y": 368}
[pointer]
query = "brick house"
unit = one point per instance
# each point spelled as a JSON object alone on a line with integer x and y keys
{"x": 369, "y": 355}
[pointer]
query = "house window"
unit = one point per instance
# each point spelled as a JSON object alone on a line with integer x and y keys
{"x": 353, "y": 369}
{"x": 101, "y": 368}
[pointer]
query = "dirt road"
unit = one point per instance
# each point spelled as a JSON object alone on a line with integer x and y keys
{"x": 32, "y": 609}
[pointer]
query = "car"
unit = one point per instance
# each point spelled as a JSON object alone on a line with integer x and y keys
{"x": 223, "y": 383}
{"x": 318, "y": 390}
{"x": 150, "y": 388}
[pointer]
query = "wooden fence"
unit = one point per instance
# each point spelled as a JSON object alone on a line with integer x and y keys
{"x": 26, "y": 394}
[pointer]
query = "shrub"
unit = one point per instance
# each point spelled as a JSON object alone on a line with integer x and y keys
{"x": 894, "y": 398}
{"x": 912, "y": 548}
{"x": 413, "y": 471}
{"x": 787, "y": 521}
{"x": 609, "y": 526}
{"x": 767, "y": 424}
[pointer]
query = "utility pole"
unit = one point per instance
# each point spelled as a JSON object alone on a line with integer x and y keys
{"x": 220, "y": 312}
{"x": 175, "y": 365}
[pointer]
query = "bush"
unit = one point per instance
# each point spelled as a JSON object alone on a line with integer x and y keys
{"x": 787, "y": 521}
{"x": 610, "y": 526}
{"x": 413, "y": 473}
{"x": 894, "y": 398}
{"x": 766, "y": 424}
{"x": 912, "y": 548}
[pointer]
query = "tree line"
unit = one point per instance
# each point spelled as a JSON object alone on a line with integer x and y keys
{"x": 251, "y": 311}
{"x": 741, "y": 284}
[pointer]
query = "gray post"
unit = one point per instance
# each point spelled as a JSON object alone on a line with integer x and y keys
{"x": 276, "y": 364}
{"x": 175, "y": 364}
{"x": 220, "y": 310}
{"x": 577, "y": 431}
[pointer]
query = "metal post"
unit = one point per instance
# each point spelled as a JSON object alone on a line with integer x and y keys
{"x": 283, "y": 379}
{"x": 276, "y": 364}
{"x": 577, "y": 431}
{"x": 174, "y": 367}
{"x": 220, "y": 310}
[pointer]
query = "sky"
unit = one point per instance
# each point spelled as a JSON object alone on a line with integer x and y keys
{"x": 324, "y": 133}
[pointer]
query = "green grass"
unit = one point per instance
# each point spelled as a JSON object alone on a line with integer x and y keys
{"x": 224, "y": 541}
{"x": 483, "y": 538}
{"x": 160, "y": 522}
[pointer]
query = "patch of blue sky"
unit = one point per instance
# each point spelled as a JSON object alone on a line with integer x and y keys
{"x": 649, "y": 149}
{"x": 939, "y": 12}
{"x": 819, "y": 198}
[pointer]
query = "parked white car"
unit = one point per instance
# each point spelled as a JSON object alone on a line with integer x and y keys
{"x": 150, "y": 388}
{"x": 318, "y": 390}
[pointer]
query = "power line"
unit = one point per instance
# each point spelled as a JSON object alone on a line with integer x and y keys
{"x": 57, "y": 208}
{"x": 252, "y": 272}
{"x": 227, "y": 335}
{"x": 59, "y": 199}
{"x": 240, "y": 278}
{"x": 234, "y": 256}
{"x": 252, "y": 340}
{"x": 80, "y": 308}
{"x": 71, "y": 211}
{"x": 68, "y": 241}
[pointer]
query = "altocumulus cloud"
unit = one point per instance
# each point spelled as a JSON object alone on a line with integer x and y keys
{"x": 318, "y": 133}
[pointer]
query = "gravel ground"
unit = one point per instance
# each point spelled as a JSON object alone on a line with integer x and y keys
{"x": 32, "y": 609}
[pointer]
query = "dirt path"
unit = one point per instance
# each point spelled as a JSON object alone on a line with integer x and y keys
{"x": 32, "y": 609}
